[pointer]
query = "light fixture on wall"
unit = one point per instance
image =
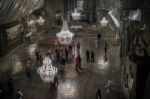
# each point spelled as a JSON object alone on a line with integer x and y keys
{"x": 103, "y": 22}
{"x": 40, "y": 21}
{"x": 47, "y": 71}
{"x": 65, "y": 36}
{"x": 135, "y": 15}
{"x": 76, "y": 15}
{"x": 115, "y": 20}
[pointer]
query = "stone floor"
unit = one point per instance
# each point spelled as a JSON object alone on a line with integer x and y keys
{"x": 72, "y": 84}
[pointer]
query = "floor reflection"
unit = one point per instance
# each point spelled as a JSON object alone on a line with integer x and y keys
{"x": 31, "y": 49}
{"x": 16, "y": 64}
{"x": 102, "y": 64}
{"x": 67, "y": 89}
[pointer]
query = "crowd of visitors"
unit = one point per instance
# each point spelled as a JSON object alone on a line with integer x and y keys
{"x": 60, "y": 55}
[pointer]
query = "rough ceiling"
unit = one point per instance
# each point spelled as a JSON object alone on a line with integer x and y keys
{"x": 11, "y": 10}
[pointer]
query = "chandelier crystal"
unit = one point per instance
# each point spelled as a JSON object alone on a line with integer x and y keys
{"x": 47, "y": 71}
{"x": 104, "y": 22}
{"x": 76, "y": 15}
{"x": 65, "y": 36}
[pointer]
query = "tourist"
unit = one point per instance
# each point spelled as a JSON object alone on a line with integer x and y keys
{"x": 57, "y": 51}
{"x": 99, "y": 36}
{"x": 70, "y": 48}
{"x": 62, "y": 62}
{"x": 98, "y": 94}
{"x": 10, "y": 86}
{"x": 54, "y": 83}
{"x": 78, "y": 46}
{"x": 105, "y": 48}
{"x": 92, "y": 56}
{"x": 98, "y": 39}
{"x": 79, "y": 61}
{"x": 50, "y": 53}
{"x": 28, "y": 67}
{"x": 87, "y": 56}
{"x": 37, "y": 53}
{"x": 19, "y": 94}
{"x": 38, "y": 57}
{"x": 66, "y": 54}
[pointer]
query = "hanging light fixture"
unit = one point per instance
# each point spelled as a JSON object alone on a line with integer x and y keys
{"x": 65, "y": 36}
{"x": 41, "y": 20}
{"x": 76, "y": 15}
{"x": 47, "y": 71}
{"x": 104, "y": 22}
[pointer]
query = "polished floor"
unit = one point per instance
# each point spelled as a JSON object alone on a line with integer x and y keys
{"x": 72, "y": 84}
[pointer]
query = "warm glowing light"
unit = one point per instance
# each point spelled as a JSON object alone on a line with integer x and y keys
{"x": 47, "y": 71}
{"x": 65, "y": 36}
{"x": 76, "y": 15}
{"x": 115, "y": 20}
{"x": 41, "y": 20}
{"x": 102, "y": 63}
{"x": 104, "y": 22}
{"x": 67, "y": 89}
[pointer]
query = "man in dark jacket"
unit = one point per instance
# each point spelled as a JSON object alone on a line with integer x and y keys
{"x": 98, "y": 94}
{"x": 92, "y": 56}
{"x": 87, "y": 56}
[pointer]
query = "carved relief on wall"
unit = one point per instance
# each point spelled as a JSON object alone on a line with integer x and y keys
{"x": 14, "y": 32}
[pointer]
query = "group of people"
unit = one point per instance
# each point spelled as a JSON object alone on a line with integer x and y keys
{"x": 90, "y": 57}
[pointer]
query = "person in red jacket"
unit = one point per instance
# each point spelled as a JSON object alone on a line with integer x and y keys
{"x": 77, "y": 63}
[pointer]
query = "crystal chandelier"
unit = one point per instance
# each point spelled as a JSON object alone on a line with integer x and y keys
{"x": 104, "y": 22}
{"x": 76, "y": 15}
{"x": 41, "y": 20}
{"x": 65, "y": 36}
{"x": 47, "y": 71}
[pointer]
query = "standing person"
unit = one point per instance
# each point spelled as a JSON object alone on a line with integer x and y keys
{"x": 54, "y": 84}
{"x": 98, "y": 94}
{"x": 87, "y": 56}
{"x": 66, "y": 54}
{"x": 78, "y": 47}
{"x": 37, "y": 53}
{"x": 38, "y": 57}
{"x": 70, "y": 48}
{"x": 62, "y": 62}
{"x": 10, "y": 86}
{"x": 73, "y": 49}
{"x": 99, "y": 36}
{"x": 50, "y": 53}
{"x": 19, "y": 94}
{"x": 105, "y": 52}
{"x": 61, "y": 49}
{"x": 79, "y": 61}
{"x": 57, "y": 51}
{"x": 92, "y": 57}
{"x": 98, "y": 39}
{"x": 28, "y": 67}
{"x": 105, "y": 48}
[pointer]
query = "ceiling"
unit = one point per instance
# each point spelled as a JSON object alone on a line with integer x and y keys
{"x": 11, "y": 10}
